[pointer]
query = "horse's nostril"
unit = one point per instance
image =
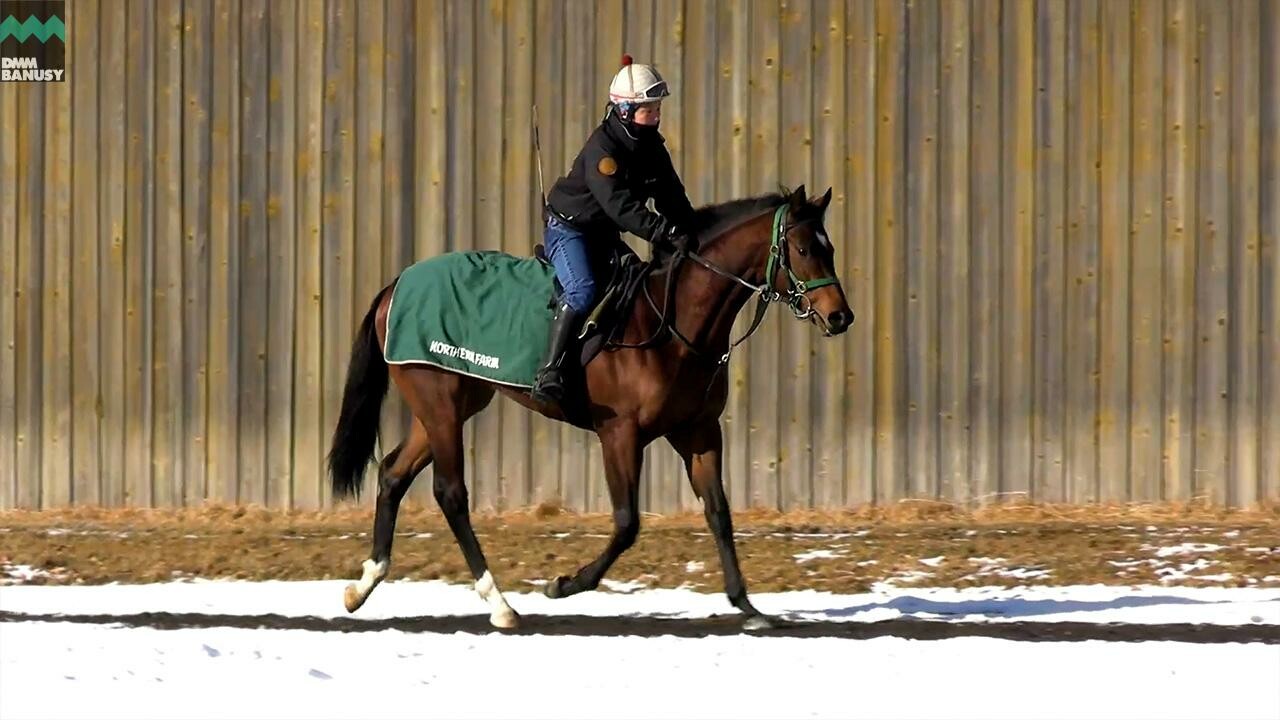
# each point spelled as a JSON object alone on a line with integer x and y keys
{"x": 838, "y": 320}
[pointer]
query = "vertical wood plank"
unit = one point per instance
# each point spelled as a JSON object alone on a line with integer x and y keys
{"x": 1147, "y": 230}
{"x": 548, "y": 438}
{"x": 281, "y": 261}
{"x": 696, "y": 163}
{"x": 29, "y": 298}
{"x": 1269, "y": 231}
{"x": 829, "y": 429}
{"x": 985, "y": 260}
{"x": 1082, "y": 252}
{"x": 1050, "y": 195}
{"x": 1181, "y": 222}
{"x": 367, "y": 251}
{"x": 1244, "y": 481}
{"x": 431, "y": 130}
{"x": 463, "y": 107}
{"x": 308, "y": 485}
{"x": 1017, "y": 246}
{"x": 487, "y": 203}
{"x": 338, "y": 210}
{"x": 796, "y": 384}
{"x": 224, "y": 257}
{"x": 922, "y": 249}
{"x": 668, "y": 56}
{"x": 139, "y": 245}
{"x": 55, "y": 316}
{"x": 953, "y": 250}
{"x": 669, "y": 31}
{"x": 583, "y": 103}
{"x": 9, "y": 289}
{"x": 397, "y": 200}
{"x": 638, "y": 34}
{"x": 167, "y": 372}
{"x": 111, "y": 266}
{"x": 733, "y": 40}
{"x": 861, "y": 130}
{"x": 609, "y": 36}
{"x": 1213, "y": 275}
{"x": 197, "y": 83}
{"x": 253, "y": 253}
{"x": 1114, "y": 118}
{"x": 765, "y": 177}
{"x": 85, "y": 333}
{"x": 581, "y": 472}
{"x": 517, "y": 229}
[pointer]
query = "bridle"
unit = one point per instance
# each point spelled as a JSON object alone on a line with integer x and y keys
{"x": 795, "y": 296}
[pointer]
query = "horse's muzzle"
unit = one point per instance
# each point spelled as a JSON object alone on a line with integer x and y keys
{"x": 838, "y": 321}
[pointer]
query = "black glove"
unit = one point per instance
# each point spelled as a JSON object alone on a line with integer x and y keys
{"x": 679, "y": 240}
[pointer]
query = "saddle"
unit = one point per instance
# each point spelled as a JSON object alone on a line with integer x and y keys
{"x": 623, "y": 271}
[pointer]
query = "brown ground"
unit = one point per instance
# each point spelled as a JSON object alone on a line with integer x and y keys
{"x": 995, "y": 546}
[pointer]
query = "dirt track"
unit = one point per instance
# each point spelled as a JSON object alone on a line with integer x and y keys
{"x": 583, "y": 625}
{"x": 916, "y": 546}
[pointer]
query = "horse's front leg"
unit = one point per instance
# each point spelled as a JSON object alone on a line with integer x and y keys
{"x": 700, "y": 447}
{"x": 623, "y": 456}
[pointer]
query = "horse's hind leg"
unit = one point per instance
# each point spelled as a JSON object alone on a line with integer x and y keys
{"x": 445, "y": 402}
{"x": 395, "y": 475}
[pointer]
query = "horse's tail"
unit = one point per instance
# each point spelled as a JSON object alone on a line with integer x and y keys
{"x": 356, "y": 434}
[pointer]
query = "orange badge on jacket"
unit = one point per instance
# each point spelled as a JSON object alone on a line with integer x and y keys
{"x": 607, "y": 165}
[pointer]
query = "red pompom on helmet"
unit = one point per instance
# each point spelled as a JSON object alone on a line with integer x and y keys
{"x": 637, "y": 83}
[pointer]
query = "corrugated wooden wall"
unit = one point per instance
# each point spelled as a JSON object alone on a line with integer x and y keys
{"x": 1057, "y": 223}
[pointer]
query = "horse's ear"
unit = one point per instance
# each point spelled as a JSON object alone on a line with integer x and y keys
{"x": 822, "y": 202}
{"x": 797, "y": 198}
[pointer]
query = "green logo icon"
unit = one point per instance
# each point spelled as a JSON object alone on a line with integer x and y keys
{"x": 42, "y": 31}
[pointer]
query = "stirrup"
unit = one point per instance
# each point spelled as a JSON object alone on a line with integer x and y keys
{"x": 548, "y": 387}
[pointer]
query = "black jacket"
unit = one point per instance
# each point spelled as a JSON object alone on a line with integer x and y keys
{"x": 612, "y": 178}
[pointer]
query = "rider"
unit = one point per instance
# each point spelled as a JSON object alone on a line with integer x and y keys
{"x": 623, "y": 163}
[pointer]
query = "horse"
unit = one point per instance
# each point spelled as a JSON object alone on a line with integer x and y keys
{"x": 663, "y": 379}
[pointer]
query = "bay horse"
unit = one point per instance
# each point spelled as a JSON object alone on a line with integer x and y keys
{"x": 663, "y": 380}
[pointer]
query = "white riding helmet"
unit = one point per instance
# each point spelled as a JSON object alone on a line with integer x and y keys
{"x": 637, "y": 84}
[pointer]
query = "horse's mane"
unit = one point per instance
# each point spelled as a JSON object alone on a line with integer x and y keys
{"x": 711, "y": 220}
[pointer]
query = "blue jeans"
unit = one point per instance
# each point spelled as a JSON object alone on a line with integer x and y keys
{"x": 567, "y": 250}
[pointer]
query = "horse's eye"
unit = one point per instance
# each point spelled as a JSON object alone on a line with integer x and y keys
{"x": 802, "y": 250}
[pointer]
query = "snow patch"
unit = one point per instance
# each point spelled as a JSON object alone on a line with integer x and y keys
{"x": 805, "y": 557}
{"x": 17, "y": 574}
{"x": 1187, "y": 548}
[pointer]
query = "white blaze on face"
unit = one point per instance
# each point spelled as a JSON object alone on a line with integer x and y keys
{"x": 824, "y": 241}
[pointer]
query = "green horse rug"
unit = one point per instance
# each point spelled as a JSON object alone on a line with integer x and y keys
{"x": 481, "y": 313}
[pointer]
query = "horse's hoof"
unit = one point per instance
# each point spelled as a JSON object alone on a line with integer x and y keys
{"x": 352, "y": 598}
{"x": 505, "y": 619}
{"x": 554, "y": 589}
{"x": 759, "y": 622}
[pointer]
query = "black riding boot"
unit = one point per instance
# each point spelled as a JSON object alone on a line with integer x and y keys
{"x": 548, "y": 385}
